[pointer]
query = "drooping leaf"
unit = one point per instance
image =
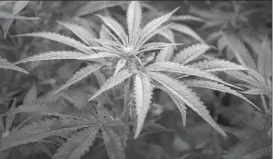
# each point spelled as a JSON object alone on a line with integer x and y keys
{"x": 113, "y": 81}
{"x": 177, "y": 68}
{"x": 182, "y": 92}
{"x": 186, "y": 30}
{"x": 216, "y": 86}
{"x": 143, "y": 94}
{"x": 83, "y": 33}
{"x": 77, "y": 144}
{"x": 79, "y": 75}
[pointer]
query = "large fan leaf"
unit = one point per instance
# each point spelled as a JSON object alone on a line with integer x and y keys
{"x": 7, "y": 65}
{"x": 133, "y": 20}
{"x": 112, "y": 82}
{"x": 79, "y": 31}
{"x": 182, "y": 92}
{"x": 143, "y": 95}
{"x": 216, "y": 86}
{"x": 61, "y": 39}
{"x": 83, "y": 73}
{"x": 54, "y": 55}
{"x": 40, "y": 130}
{"x": 78, "y": 144}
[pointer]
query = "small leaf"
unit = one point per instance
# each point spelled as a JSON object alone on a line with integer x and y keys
{"x": 61, "y": 39}
{"x": 79, "y": 31}
{"x": 154, "y": 24}
{"x": 121, "y": 63}
{"x": 7, "y": 65}
{"x": 190, "y": 53}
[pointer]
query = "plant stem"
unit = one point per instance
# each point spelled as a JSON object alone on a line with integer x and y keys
{"x": 126, "y": 97}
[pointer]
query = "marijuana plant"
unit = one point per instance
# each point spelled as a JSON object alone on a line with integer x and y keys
{"x": 128, "y": 56}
